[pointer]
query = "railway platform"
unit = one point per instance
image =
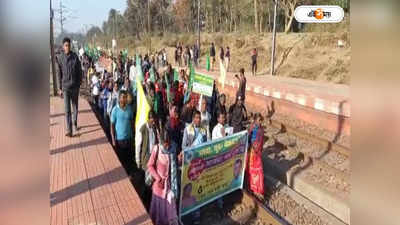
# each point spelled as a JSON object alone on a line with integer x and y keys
{"x": 88, "y": 185}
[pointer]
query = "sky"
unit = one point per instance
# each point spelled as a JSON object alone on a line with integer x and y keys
{"x": 30, "y": 15}
{"x": 88, "y": 12}
{"x": 27, "y": 16}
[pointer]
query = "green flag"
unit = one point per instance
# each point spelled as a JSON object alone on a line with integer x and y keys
{"x": 176, "y": 75}
{"x": 124, "y": 55}
{"x": 208, "y": 62}
{"x": 190, "y": 84}
{"x": 152, "y": 76}
{"x": 168, "y": 87}
{"x": 86, "y": 50}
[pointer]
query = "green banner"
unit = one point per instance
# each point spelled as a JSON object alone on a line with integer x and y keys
{"x": 203, "y": 84}
{"x": 212, "y": 170}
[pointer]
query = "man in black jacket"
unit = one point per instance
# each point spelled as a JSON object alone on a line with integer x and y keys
{"x": 70, "y": 79}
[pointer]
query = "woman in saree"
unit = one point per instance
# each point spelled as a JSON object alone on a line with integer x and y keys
{"x": 254, "y": 171}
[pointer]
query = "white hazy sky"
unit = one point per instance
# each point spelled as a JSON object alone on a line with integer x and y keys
{"x": 33, "y": 14}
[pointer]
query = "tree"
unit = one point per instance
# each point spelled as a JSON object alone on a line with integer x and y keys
{"x": 93, "y": 32}
{"x": 288, "y": 7}
{"x": 255, "y": 16}
{"x": 182, "y": 17}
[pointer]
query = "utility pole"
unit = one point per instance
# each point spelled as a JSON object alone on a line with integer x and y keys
{"x": 53, "y": 68}
{"x": 198, "y": 25}
{"x": 61, "y": 17}
{"x": 148, "y": 24}
{"x": 274, "y": 40}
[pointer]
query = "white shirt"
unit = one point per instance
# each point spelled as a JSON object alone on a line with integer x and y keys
{"x": 217, "y": 131}
{"x": 116, "y": 76}
{"x": 132, "y": 73}
{"x": 95, "y": 81}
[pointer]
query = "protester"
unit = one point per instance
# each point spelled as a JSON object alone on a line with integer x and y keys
{"x": 227, "y": 58}
{"x": 254, "y": 61}
{"x": 219, "y": 129}
{"x": 212, "y": 55}
{"x": 70, "y": 79}
{"x": 126, "y": 87}
{"x": 158, "y": 107}
{"x": 90, "y": 73}
{"x": 237, "y": 115}
{"x": 195, "y": 134}
{"x": 151, "y": 92}
{"x": 191, "y": 51}
{"x": 205, "y": 116}
{"x": 105, "y": 95}
{"x": 187, "y": 112}
{"x": 132, "y": 70}
{"x": 220, "y": 132}
{"x": 164, "y": 57}
{"x": 95, "y": 90}
{"x": 86, "y": 66}
{"x": 242, "y": 84}
{"x": 178, "y": 95}
{"x": 254, "y": 172}
{"x": 122, "y": 132}
{"x": 196, "y": 55}
{"x": 162, "y": 166}
{"x": 176, "y": 56}
{"x": 212, "y": 104}
{"x": 175, "y": 127}
{"x": 219, "y": 107}
{"x": 146, "y": 139}
{"x": 113, "y": 99}
{"x": 221, "y": 55}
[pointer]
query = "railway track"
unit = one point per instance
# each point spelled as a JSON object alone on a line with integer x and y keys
{"x": 240, "y": 207}
{"x": 326, "y": 144}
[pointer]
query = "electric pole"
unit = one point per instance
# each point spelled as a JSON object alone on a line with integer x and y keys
{"x": 148, "y": 25}
{"x": 274, "y": 40}
{"x": 61, "y": 17}
{"x": 53, "y": 68}
{"x": 198, "y": 25}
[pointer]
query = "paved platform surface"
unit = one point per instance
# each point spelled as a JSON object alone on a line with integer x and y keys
{"x": 88, "y": 185}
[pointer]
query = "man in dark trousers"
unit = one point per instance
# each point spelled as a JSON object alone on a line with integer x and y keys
{"x": 212, "y": 55}
{"x": 70, "y": 79}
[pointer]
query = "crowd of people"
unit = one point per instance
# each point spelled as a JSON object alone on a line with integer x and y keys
{"x": 178, "y": 119}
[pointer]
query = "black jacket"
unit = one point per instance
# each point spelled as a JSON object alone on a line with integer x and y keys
{"x": 69, "y": 71}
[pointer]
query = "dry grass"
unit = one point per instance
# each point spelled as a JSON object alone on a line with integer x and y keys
{"x": 313, "y": 56}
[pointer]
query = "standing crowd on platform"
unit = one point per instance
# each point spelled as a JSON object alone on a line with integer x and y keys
{"x": 178, "y": 119}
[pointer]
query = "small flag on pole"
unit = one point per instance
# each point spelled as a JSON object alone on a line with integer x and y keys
{"x": 176, "y": 75}
{"x": 143, "y": 108}
{"x": 190, "y": 85}
{"x": 208, "y": 62}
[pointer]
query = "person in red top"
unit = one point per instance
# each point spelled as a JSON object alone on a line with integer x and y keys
{"x": 178, "y": 95}
{"x": 254, "y": 61}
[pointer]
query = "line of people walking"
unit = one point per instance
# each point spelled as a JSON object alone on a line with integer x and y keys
{"x": 152, "y": 154}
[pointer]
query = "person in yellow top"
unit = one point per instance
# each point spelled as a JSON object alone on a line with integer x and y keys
{"x": 89, "y": 74}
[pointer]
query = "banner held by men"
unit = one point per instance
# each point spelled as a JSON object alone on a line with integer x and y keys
{"x": 212, "y": 170}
